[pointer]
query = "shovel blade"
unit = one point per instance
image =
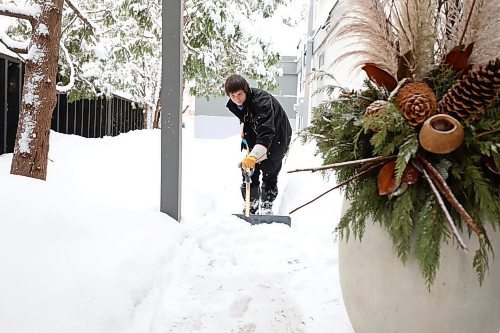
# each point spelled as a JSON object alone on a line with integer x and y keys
{"x": 258, "y": 219}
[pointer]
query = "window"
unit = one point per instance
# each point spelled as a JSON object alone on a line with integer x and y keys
{"x": 321, "y": 60}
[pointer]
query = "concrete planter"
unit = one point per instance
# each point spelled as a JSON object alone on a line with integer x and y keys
{"x": 382, "y": 295}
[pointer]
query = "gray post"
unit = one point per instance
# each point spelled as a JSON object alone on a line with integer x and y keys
{"x": 4, "y": 92}
{"x": 307, "y": 75}
{"x": 171, "y": 102}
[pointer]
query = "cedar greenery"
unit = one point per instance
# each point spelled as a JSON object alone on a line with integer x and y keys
{"x": 412, "y": 217}
{"x": 428, "y": 198}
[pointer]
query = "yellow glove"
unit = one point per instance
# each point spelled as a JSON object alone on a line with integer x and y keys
{"x": 248, "y": 162}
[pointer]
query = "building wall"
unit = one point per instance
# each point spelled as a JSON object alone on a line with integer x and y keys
{"x": 318, "y": 54}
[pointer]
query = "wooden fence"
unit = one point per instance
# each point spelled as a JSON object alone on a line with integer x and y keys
{"x": 91, "y": 118}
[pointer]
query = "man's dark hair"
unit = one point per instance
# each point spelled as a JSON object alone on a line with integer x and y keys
{"x": 234, "y": 83}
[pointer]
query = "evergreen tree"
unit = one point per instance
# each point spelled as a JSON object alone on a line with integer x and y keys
{"x": 121, "y": 51}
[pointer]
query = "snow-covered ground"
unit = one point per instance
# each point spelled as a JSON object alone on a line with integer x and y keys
{"x": 89, "y": 251}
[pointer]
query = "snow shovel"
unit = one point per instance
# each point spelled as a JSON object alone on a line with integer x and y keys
{"x": 258, "y": 219}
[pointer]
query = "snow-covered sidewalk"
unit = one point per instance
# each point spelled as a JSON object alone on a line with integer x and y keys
{"x": 89, "y": 251}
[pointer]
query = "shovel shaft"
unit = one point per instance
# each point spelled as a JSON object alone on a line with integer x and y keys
{"x": 247, "y": 199}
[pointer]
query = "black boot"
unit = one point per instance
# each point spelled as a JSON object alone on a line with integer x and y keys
{"x": 266, "y": 208}
{"x": 268, "y": 194}
{"x": 254, "y": 207}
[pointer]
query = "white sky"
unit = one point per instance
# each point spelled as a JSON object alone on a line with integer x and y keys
{"x": 88, "y": 250}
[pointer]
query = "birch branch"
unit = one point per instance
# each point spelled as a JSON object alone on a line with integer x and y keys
{"x": 445, "y": 211}
{"x": 358, "y": 175}
{"x": 445, "y": 189}
{"x": 347, "y": 163}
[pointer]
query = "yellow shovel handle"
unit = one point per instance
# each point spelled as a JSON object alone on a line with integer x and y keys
{"x": 247, "y": 199}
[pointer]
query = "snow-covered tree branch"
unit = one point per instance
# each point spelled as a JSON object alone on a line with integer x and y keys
{"x": 13, "y": 45}
{"x": 29, "y": 13}
{"x": 70, "y": 85}
{"x": 80, "y": 14}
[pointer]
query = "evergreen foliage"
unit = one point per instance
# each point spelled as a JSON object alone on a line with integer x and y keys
{"x": 123, "y": 53}
{"x": 411, "y": 215}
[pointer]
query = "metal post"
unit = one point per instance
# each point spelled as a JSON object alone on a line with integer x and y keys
{"x": 123, "y": 113}
{"x": 110, "y": 115}
{"x": 171, "y": 101}
{"x": 66, "y": 128}
{"x": 74, "y": 117}
{"x": 21, "y": 85}
{"x": 100, "y": 118}
{"x": 120, "y": 115}
{"x": 94, "y": 132}
{"x": 57, "y": 111}
{"x": 5, "y": 105}
{"x": 127, "y": 123}
{"x": 133, "y": 114}
{"x": 125, "y": 118}
{"x": 88, "y": 116}
{"x": 307, "y": 77}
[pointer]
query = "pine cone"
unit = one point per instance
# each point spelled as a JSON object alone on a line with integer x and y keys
{"x": 375, "y": 107}
{"x": 417, "y": 101}
{"x": 473, "y": 94}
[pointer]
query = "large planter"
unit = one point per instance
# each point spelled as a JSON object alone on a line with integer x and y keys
{"x": 382, "y": 295}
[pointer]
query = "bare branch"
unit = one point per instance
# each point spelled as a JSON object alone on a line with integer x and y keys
{"x": 80, "y": 15}
{"x": 444, "y": 188}
{"x": 445, "y": 211}
{"x": 16, "y": 50}
{"x": 189, "y": 47}
{"x": 358, "y": 175}
{"x": 467, "y": 22}
{"x": 347, "y": 163}
{"x": 70, "y": 24}
{"x": 487, "y": 132}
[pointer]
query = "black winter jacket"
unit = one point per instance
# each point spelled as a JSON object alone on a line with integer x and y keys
{"x": 264, "y": 122}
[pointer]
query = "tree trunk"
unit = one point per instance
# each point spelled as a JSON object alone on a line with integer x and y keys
{"x": 39, "y": 93}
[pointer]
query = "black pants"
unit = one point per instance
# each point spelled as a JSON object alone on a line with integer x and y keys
{"x": 269, "y": 170}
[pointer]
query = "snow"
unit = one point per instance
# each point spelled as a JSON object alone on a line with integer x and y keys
{"x": 36, "y": 53}
{"x": 65, "y": 88}
{"x": 43, "y": 30}
{"x": 24, "y": 10}
{"x": 89, "y": 251}
{"x": 27, "y": 134}
{"x": 11, "y": 42}
{"x": 101, "y": 51}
